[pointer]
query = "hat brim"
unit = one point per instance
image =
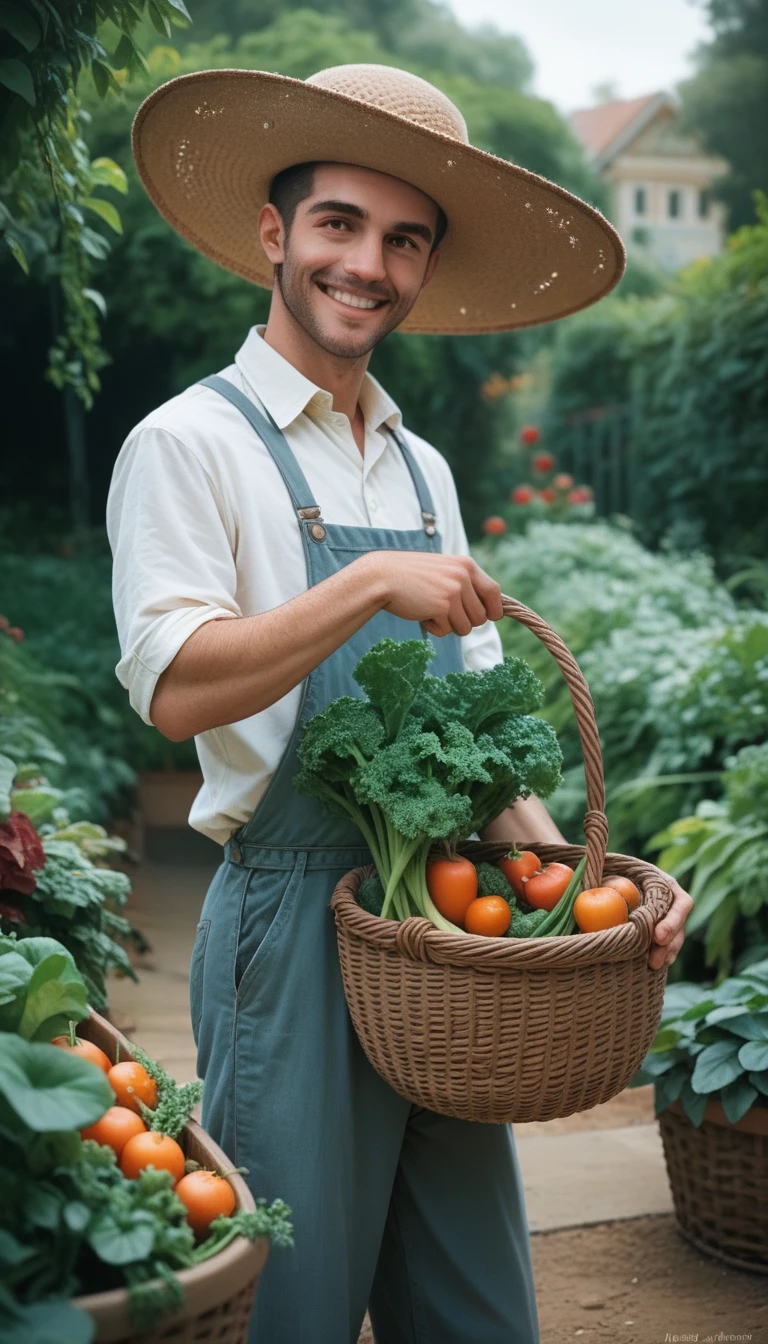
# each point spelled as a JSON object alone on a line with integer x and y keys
{"x": 519, "y": 249}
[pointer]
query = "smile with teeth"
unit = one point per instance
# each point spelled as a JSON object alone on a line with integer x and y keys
{"x": 351, "y": 300}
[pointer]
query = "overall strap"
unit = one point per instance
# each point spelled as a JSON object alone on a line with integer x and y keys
{"x": 420, "y": 485}
{"x": 275, "y": 442}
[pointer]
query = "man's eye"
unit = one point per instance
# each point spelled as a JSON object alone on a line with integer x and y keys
{"x": 337, "y": 221}
{"x": 402, "y": 238}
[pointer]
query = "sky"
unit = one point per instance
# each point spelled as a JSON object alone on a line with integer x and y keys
{"x": 576, "y": 44}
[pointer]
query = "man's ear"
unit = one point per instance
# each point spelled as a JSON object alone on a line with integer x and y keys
{"x": 434, "y": 257}
{"x": 272, "y": 233}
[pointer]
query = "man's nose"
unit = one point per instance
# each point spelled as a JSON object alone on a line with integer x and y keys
{"x": 365, "y": 259}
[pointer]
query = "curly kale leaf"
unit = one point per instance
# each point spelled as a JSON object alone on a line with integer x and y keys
{"x": 405, "y": 780}
{"x": 391, "y": 674}
{"x": 342, "y": 736}
{"x": 479, "y": 700}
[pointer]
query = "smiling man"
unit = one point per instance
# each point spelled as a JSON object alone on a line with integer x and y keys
{"x": 268, "y": 525}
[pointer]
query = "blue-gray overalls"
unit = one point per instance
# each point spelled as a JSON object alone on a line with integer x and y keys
{"x": 417, "y": 1215}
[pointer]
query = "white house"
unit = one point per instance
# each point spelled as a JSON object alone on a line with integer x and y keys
{"x": 660, "y": 177}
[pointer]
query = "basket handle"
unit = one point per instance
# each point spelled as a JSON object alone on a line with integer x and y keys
{"x": 595, "y": 821}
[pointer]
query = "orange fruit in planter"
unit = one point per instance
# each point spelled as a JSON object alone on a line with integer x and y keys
{"x": 152, "y": 1150}
{"x": 115, "y": 1128}
{"x": 489, "y": 916}
{"x": 131, "y": 1083}
{"x": 84, "y": 1050}
{"x": 627, "y": 888}
{"x": 599, "y": 908}
{"x": 206, "y": 1196}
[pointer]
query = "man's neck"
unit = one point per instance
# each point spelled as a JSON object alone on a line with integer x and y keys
{"x": 341, "y": 377}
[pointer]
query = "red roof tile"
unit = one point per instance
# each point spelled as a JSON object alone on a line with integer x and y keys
{"x": 597, "y": 127}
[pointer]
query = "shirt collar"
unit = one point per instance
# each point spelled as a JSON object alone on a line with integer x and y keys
{"x": 286, "y": 392}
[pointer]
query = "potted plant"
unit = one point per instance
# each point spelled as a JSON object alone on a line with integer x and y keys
{"x": 709, "y": 1067}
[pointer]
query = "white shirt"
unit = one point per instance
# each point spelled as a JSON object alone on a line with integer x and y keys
{"x": 201, "y": 526}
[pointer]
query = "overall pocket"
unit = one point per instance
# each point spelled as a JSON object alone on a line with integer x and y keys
{"x": 264, "y": 916}
{"x": 196, "y": 968}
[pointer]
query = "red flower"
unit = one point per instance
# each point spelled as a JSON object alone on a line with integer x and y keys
{"x": 581, "y": 495}
{"x": 12, "y": 915}
{"x": 547, "y": 495}
{"x": 529, "y": 435}
{"x": 563, "y": 481}
{"x": 5, "y": 624}
{"x": 21, "y": 852}
{"x": 494, "y": 526}
{"x": 543, "y": 462}
{"x": 522, "y": 494}
{"x": 16, "y": 633}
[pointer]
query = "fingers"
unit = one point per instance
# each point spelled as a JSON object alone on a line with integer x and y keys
{"x": 489, "y": 593}
{"x": 669, "y": 934}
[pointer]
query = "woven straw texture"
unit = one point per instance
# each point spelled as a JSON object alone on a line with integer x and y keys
{"x": 219, "y": 1294}
{"x": 510, "y": 1029}
{"x": 519, "y": 250}
{"x": 719, "y": 1179}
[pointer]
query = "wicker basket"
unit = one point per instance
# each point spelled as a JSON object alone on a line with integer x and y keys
{"x": 719, "y": 1178}
{"x": 219, "y": 1293}
{"x": 510, "y": 1029}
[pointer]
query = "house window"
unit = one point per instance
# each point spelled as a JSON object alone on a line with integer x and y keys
{"x": 640, "y": 201}
{"x": 704, "y": 200}
{"x": 674, "y": 204}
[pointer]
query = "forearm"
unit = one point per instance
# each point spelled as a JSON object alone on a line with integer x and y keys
{"x": 230, "y": 669}
{"x": 526, "y": 820}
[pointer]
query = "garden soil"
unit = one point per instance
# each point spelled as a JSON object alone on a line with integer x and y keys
{"x": 639, "y": 1282}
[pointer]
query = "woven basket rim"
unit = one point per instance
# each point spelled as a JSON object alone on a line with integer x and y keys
{"x": 421, "y": 940}
{"x": 204, "y": 1286}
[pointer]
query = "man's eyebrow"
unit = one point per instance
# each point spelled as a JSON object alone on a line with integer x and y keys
{"x": 347, "y": 208}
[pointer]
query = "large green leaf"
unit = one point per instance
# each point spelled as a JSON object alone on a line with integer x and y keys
{"x": 49, "y": 1089}
{"x": 120, "y": 1241}
{"x": 17, "y": 77}
{"x": 694, "y": 1104}
{"x": 107, "y": 173}
{"x": 56, "y": 995}
{"x": 670, "y": 1085}
{"x": 106, "y": 211}
{"x": 752, "y": 1026}
{"x": 716, "y": 1066}
{"x": 48, "y": 1323}
{"x": 15, "y": 975}
{"x": 760, "y": 1081}
{"x": 754, "y": 1055}
{"x": 20, "y": 24}
{"x": 7, "y": 776}
{"x": 737, "y": 1097}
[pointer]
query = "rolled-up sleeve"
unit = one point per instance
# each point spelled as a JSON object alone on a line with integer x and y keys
{"x": 173, "y": 556}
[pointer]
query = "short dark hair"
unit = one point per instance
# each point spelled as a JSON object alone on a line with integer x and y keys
{"x": 295, "y": 184}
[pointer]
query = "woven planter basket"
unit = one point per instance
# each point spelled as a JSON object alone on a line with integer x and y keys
{"x": 510, "y": 1029}
{"x": 218, "y": 1294}
{"x": 719, "y": 1178}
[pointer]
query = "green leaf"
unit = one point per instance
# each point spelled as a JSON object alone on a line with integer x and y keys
{"x": 120, "y": 1241}
{"x": 754, "y": 1055}
{"x": 751, "y": 1026}
{"x": 106, "y": 210}
{"x": 97, "y": 299}
{"x": 181, "y": 8}
{"x": 76, "y": 1215}
{"x": 106, "y": 173}
{"x": 666, "y": 1039}
{"x": 726, "y": 1013}
{"x": 7, "y": 776}
{"x": 49, "y": 1089}
{"x": 37, "y": 803}
{"x": 716, "y": 1066}
{"x": 669, "y": 1087}
{"x": 16, "y": 76}
{"x": 760, "y": 1081}
{"x": 15, "y": 975}
{"x": 56, "y": 1322}
{"x": 55, "y": 995}
{"x": 694, "y": 1104}
{"x": 20, "y": 24}
{"x": 737, "y": 1097}
{"x": 698, "y": 1010}
{"x": 17, "y": 251}
{"x": 123, "y": 53}
{"x": 159, "y": 21}
{"x": 102, "y": 77}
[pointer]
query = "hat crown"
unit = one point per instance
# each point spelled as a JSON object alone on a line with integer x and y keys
{"x": 397, "y": 92}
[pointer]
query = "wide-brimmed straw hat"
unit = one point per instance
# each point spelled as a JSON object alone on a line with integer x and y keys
{"x": 519, "y": 250}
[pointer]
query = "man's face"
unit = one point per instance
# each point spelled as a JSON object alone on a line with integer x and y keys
{"x": 357, "y": 257}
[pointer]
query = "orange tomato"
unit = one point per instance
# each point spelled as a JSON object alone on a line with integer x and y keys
{"x": 627, "y": 889}
{"x": 452, "y": 884}
{"x": 599, "y": 908}
{"x": 516, "y": 869}
{"x": 544, "y": 890}
{"x": 206, "y": 1196}
{"x": 115, "y": 1128}
{"x": 488, "y": 915}
{"x": 131, "y": 1083}
{"x": 85, "y": 1050}
{"x": 152, "y": 1150}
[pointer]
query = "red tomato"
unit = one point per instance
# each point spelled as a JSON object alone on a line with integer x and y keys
{"x": 206, "y": 1196}
{"x": 515, "y": 869}
{"x": 153, "y": 1150}
{"x": 452, "y": 884}
{"x": 544, "y": 890}
{"x": 489, "y": 916}
{"x": 494, "y": 526}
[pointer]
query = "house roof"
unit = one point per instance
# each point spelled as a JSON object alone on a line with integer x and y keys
{"x": 599, "y": 127}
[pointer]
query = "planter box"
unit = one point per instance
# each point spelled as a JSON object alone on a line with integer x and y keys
{"x": 719, "y": 1179}
{"x": 218, "y": 1294}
